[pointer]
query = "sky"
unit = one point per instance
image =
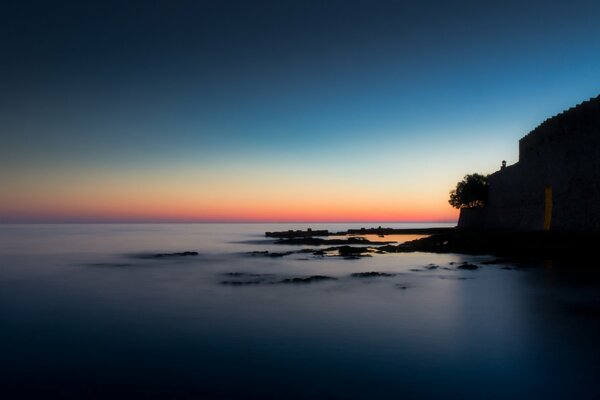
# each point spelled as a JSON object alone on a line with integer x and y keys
{"x": 250, "y": 111}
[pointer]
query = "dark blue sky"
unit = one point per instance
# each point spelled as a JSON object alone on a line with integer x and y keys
{"x": 435, "y": 88}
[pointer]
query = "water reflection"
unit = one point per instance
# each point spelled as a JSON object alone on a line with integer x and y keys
{"x": 82, "y": 319}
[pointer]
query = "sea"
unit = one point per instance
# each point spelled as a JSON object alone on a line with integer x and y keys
{"x": 88, "y": 312}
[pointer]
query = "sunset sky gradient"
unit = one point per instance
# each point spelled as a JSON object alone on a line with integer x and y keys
{"x": 275, "y": 111}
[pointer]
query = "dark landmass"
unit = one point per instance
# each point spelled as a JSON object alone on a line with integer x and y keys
{"x": 298, "y": 234}
{"x": 310, "y": 233}
{"x": 320, "y": 242}
{"x": 394, "y": 231}
{"x": 509, "y": 245}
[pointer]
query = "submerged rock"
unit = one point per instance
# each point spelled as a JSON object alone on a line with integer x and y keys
{"x": 312, "y": 241}
{"x": 468, "y": 266}
{"x": 352, "y": 251}
{"x": 242, "y": 283}
{"x": 308, "y": 279}
{"x": 372, "y": 274}
{"x": 174, "y": 255}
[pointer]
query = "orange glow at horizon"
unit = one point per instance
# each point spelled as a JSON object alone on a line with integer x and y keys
{"x": 250, "y": 211}
{"x": 226, "y": 196}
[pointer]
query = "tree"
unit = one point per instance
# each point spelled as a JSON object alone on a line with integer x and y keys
{"x": 471, "y": 192}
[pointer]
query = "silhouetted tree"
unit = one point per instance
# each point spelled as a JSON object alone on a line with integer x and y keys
{"x": 471, "y": 192}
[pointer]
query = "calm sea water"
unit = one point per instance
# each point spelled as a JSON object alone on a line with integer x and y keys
{"x": 82, "y": 315}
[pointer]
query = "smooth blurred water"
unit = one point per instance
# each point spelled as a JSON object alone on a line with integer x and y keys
{"x": 83, "y": 316}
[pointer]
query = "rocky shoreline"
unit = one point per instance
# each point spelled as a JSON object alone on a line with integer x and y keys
{"x": 514, "y": 245}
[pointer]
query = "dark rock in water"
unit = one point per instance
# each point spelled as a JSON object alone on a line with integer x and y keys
{"x": 242, "y": 283}
{"x": 297, "y": 233}
{"x": 319, "y": 253}
{"x": 287, "y": 253}
{"x": 259, "y": 253}
{"x": 352, "y": 251}
{"x": 432, "y": 266}
{"x": 415, "y": 270}
{"x": 309, "y": 279}
{"x": 451, "y": 263}
{"x": 401, "y": 286}
{"x": 312, "y": 241}
{"x": 371, "y": 274}
{"x": 172, "y": 255}
{"x": 468, "y": 266}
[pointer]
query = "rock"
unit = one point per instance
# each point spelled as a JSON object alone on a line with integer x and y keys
{"x": 241, "y": 283}
{"x": 259, "y": 253}
{"x": 468, "y": 266}
{"x": 169, "y": 255}
{"x": 287, "y": 253}
{"x": 371, "y": 274}
{"x": 309, "y": 279}
{"x": 352, "y": 251}
{"x": 312, "y": 241}
{"x": 297, "y": 234}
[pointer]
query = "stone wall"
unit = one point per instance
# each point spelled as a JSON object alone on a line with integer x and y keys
{"x": 563, "y": 153}
{"x": 472, "y": 218}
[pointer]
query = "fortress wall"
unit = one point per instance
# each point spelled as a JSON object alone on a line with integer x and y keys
{"x": 513, "y": 203}
{"x": 472, "y": 218}
{"x": 562, "y": 153}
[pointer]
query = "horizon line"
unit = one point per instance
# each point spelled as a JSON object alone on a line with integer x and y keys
{"x": 221, "y": 222}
